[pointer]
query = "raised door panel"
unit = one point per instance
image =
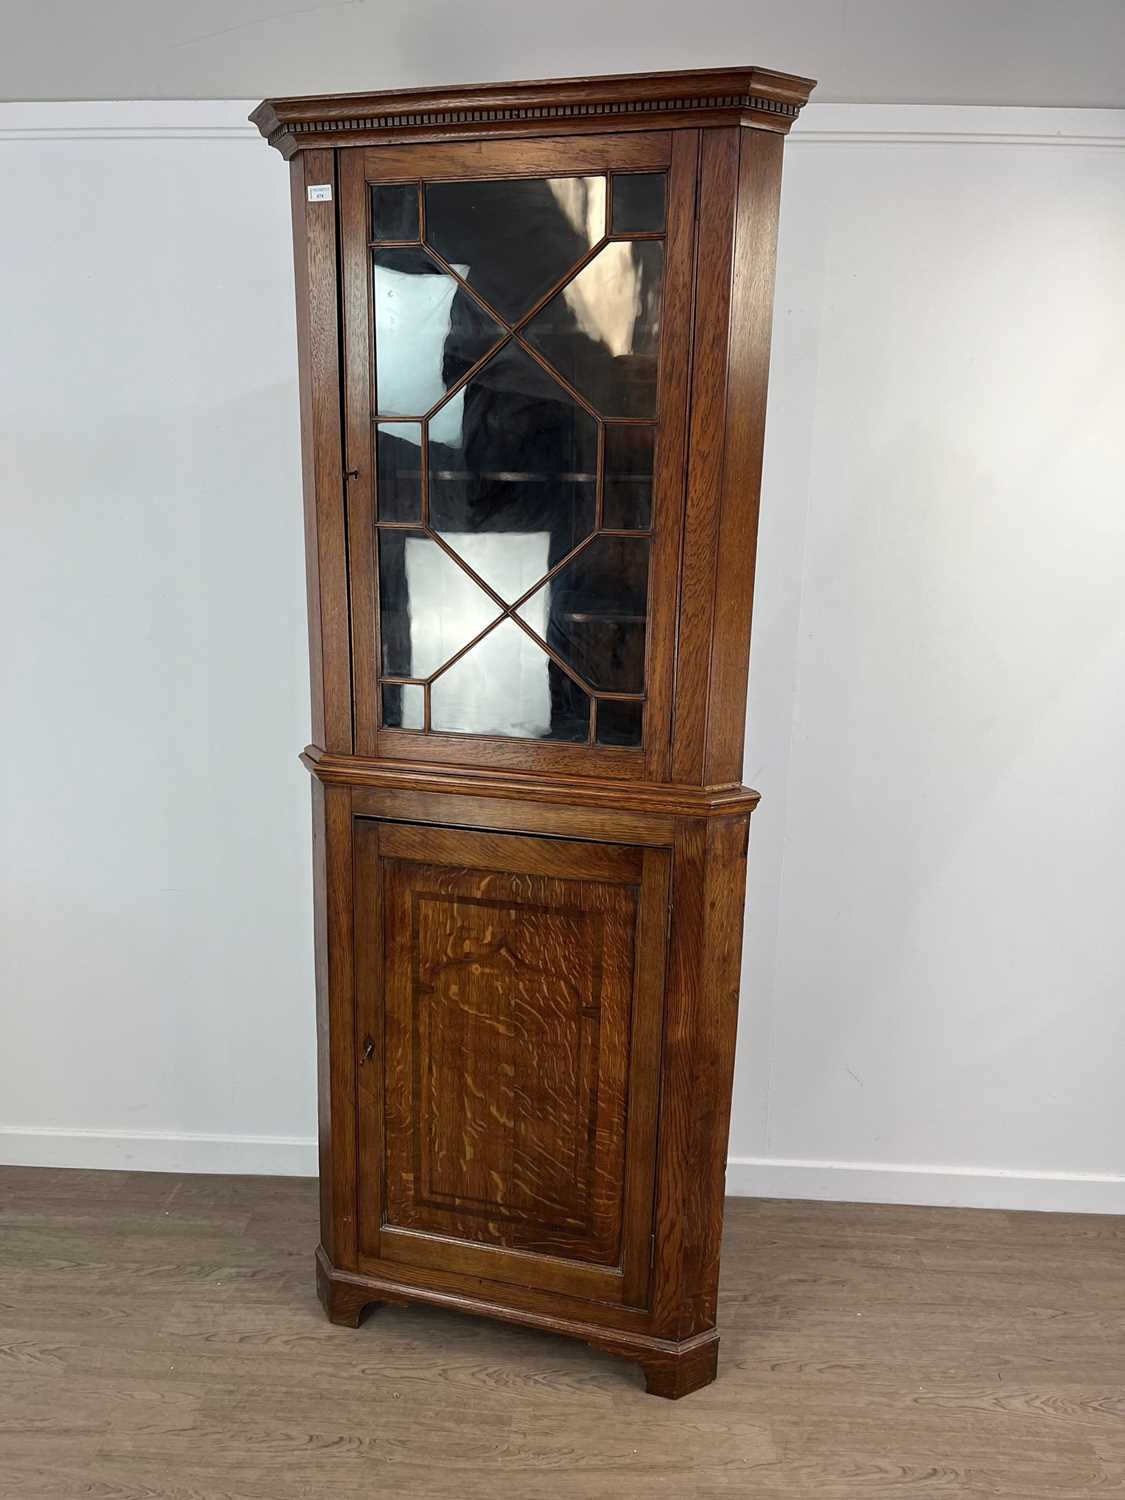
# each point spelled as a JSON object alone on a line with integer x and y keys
{"x": 507, "y": 1039}
{"x": 512, "y": 1014}
{"x": 517, "y": 325}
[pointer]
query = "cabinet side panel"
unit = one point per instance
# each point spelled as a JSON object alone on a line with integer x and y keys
{"x": 323, "y": 1027}
{"x": 369, "y": 1032}
{"x": 699, "y": 1039}
{"x": 683, "y": 1021}
{"x": 672, "y": 413}
{"x": 308, "y": 467}
{"x": 751, "y": 321}
{"x": 718, "y": 186}
{"x": 644, "y": 1086}
{"x": 314, "y": 254}
{"x": 332, "y": 891}
{"x": 723, "y": 896}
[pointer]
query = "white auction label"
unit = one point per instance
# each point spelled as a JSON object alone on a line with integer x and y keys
{"x": 320, "y": 192}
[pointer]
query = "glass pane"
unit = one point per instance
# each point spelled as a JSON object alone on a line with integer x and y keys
{"x": 595, "y": 612}
{"x": 428, "y": 331}
{"x": 394, "y": 212}
{"x": 398, "y": 454}
{"x": 627, "y": 497}
{"x": 513, "y": 460}
{"x": 507, "y": 685}
{"x": 403, "y": 705}
{"x": 638, "y": 203}
{"x": 514, "y": 240}
{"x": 602, "y": 331}
{"x": 619, "y": 722}
{"x": 428, "y": 607}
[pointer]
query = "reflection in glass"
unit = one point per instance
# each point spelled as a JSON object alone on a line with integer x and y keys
{"x": 428, "y": 332}
{"x": 596, "y": 610}
{"x": 394, "y": 212}
{"x": 619, "y": 721}
{"x": 398, "y": 454}
{"x": 509, "y": 562}
{"x": 519, "y": 462}
{"x": 506, "y": 684}
{"x": 429, "y": 607}
{"x": 403, "y": 705}
{"x": 510, "y": 459}
{"x": 602, "y": 331}
{"x": 627, "y": 494}
{"x": 638, "y": 203}
{"x": 515, "y": 239}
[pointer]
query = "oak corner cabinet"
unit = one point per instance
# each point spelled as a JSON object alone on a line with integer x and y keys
{"x": 534, "y": 330}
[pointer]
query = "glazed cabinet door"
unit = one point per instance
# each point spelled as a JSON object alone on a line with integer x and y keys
{"x": 516, "y": 330}
{"x": 509, "y": 1003}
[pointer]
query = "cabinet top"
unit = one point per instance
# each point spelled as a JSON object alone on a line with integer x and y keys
{"x": 627, "y": 101}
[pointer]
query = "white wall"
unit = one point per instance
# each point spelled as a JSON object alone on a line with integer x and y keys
{"x": 935, "y": 971}
{"x": 155, "y": 951}
{"x": 882, "y": 51}
{"x": 935, "y": 958}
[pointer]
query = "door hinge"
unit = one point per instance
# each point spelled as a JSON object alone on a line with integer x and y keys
{"x": 651, "y": 1251}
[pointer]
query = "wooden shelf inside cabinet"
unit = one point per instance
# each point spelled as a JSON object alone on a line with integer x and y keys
{"x": 530, "y": 584}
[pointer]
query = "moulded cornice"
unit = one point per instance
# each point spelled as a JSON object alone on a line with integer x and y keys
{"x": 630, "y": 101}
{"x": 632, "y": 796}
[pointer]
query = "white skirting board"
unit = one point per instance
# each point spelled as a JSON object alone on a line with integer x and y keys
{"x": 159, "y": 1151}
{"x": 747, "y": 1177}
{"x": 940, "y": 1187}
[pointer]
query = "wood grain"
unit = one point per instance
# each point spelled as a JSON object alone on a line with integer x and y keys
{"x": 718, "y": 206}
{"x": 751, "y": 322}
{"x": 516, "y": 1025}
{"x": 515, "y": 159}
{"x": 528, "y": 951}
{"x": 669, "y": 469}
{"x": 507, "y": 1014}
{"x": 550, "y": 758}
{"x": 718, "y": 975}
{"x": 588, "y": 792}
{"x": 565, "y": 859}
{"x": 160, "y": 1340}
{"x": 542, "y": 157}
{"x": 632, "y": 101}
{"x": 685, "y": 1025}
{"x": 358, "y": 365}
{"x": 515, "y": 815}
{"x": 314, "y": 254}
{"x": 335, "y": 1007}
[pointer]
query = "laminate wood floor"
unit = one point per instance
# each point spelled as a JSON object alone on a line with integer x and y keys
{"x": 160, "y": 1337}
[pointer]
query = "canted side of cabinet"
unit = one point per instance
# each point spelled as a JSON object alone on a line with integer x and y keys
{"x": 534, "y": 331}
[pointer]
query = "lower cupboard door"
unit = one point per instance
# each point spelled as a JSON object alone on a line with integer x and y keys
{"x": 509, "y": 1001}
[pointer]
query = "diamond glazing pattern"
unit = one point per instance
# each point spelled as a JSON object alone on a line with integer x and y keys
{"x": 516, "y": 358}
